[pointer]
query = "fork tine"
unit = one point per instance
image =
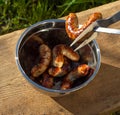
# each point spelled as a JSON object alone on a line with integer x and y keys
{"x": 92, "y": 37}
{"x": 85, "y": 32}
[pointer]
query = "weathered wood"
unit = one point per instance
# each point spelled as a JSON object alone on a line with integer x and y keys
{"x": 99, "y": 97}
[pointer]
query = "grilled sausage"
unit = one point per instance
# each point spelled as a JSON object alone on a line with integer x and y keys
{"x": 61, "y": 50}
{"x": 47, "y": 81}
{"x": 45, "y": 58}
{"x": 71, "y": 24}
{"x": 80, "y": 71}
{"x": 60, "y": 71}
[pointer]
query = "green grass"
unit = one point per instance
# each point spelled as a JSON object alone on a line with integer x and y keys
{"x": 18, "y": 14}
{"x": 116, "y": 113}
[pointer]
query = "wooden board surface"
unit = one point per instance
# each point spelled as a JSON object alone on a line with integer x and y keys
{"x": 100, "y": 96}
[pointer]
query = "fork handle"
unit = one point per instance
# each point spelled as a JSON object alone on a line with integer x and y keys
{"x": 108, "y": 21}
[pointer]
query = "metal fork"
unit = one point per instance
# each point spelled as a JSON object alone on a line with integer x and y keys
{"x": 95, "y": 27}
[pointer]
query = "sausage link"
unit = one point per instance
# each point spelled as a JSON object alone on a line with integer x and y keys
{"x": 71, "y": 24}
{"x": 45, "y": 58}
{"x": 80, "y": 71}
{"x": 47, "y": 81}
{"x": 61, "y": 50}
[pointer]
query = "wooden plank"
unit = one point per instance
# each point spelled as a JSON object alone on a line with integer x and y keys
{"x": 100, "y": 96}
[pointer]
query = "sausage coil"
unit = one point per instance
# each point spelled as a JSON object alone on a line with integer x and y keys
{"x": 61, "y": 50}
{"x": 71, "y": 24}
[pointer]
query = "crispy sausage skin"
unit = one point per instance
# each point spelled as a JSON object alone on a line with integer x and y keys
{"x": 60, "y": 71}
{"x": 80, "y": 71}
{"x": 71, "y": 24}
{"x": 47, "y": 81}
{"x": 45, "y": 58}
{"x": 61, "y": 50}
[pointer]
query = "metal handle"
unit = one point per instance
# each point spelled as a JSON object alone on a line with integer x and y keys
{"x": 110, "y": 20}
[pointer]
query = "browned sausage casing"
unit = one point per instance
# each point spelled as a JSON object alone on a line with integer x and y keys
{"x": 60, "y": 71}
{"x": 61, "y": 50}
{"x": 71, "y": 24}
{"x": 47, "y": 81}
{"x": 45, "y": 58}
{"x": 80, "y": 71}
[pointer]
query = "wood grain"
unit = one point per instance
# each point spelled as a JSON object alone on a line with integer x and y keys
{"x": 101, "y": 96}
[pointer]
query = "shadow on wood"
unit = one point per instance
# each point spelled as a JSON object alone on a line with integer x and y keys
{"x": 84, "y": 101}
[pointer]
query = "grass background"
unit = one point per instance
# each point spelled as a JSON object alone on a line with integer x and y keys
{"x": 18, "y": 14}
